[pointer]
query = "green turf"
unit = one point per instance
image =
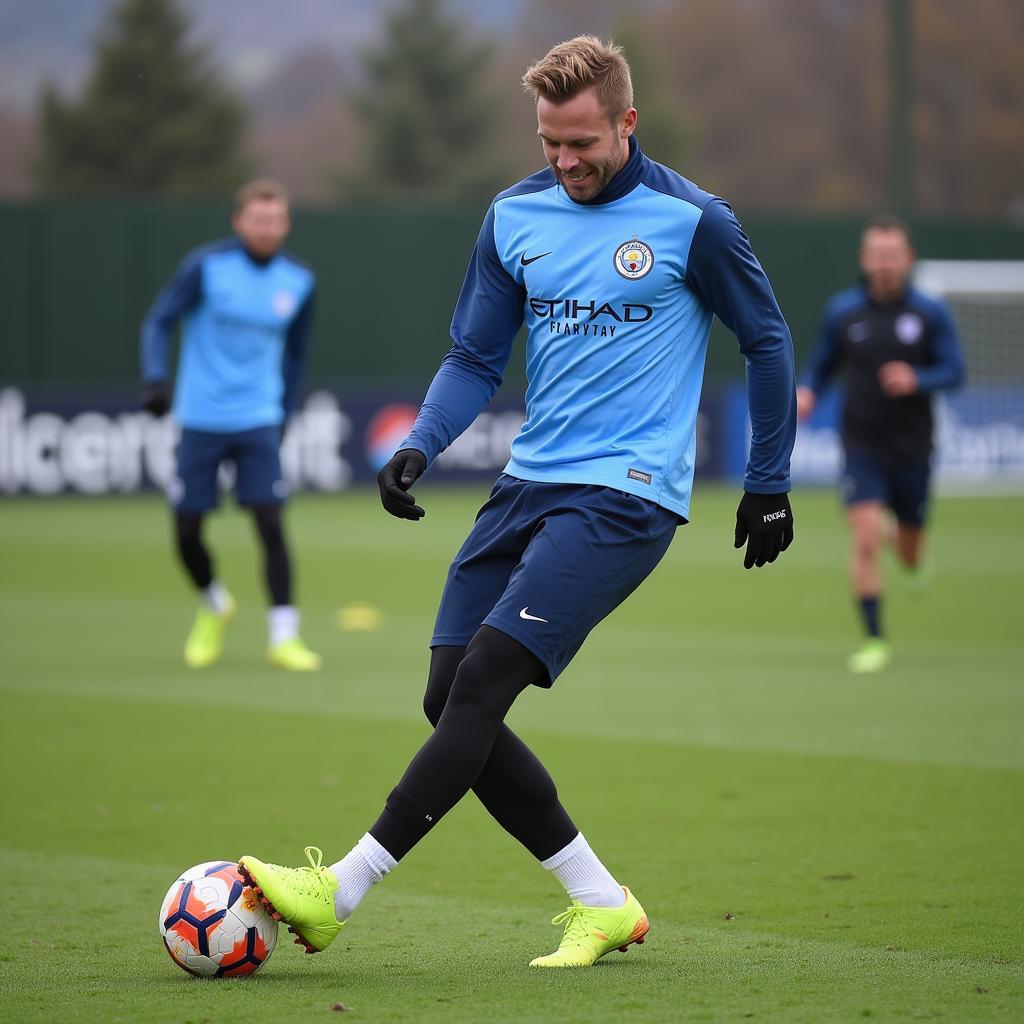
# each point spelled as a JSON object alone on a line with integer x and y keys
{"x": 810, "y": 847}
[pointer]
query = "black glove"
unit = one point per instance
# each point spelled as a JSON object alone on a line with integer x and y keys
{"x": 395, "y": 479}
{"x": 765, "y": 523}
{"x": 155, "y": 398}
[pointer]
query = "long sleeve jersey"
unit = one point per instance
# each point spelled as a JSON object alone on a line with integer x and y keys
{"x": 858, "y": 335}
{"x": 618, "y": 295}
{"x": 245, "y": 325}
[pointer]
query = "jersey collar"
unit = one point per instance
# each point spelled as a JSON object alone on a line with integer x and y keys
{"x": 256, "y": 261}
{"x": 900, "y": 300}
{"x": 626, "y": 179}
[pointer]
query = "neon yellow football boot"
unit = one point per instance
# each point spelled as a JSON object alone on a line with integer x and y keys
{"x": 205, "y": 640}
{"x": 872, "y": 656}
{"x": 590, "y": 932}
{"x": 301, "y": 897}
{"x": 293, "y": 655}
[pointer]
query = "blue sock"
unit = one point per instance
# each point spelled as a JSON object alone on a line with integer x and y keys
{"x": 869, "y": 611}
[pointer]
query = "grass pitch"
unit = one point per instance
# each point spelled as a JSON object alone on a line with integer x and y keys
{"x": 809, "y": 846}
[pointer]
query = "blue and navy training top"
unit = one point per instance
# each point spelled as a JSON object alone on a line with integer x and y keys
{"x": 245, "y": 324}
{"x": 617, "y": 295}
{"x": 858, "y": 335}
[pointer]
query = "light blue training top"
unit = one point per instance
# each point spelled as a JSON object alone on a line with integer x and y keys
{"x": 245, "y": 324}
{"x": 617, "y": 295}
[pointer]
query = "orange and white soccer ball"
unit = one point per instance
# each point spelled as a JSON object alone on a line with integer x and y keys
{"x": 213, "y": 925}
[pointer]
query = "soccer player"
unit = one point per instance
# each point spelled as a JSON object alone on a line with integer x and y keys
{"x": 245, "y": 308}
{"x": 617, "y": 266}
{"x": 897, "y": 347}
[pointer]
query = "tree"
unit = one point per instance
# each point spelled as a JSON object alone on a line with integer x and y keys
{"x": 153, "y": 117}
{"x": 967, "y": 115}
{"x": 663, "y": 126}
{"x": 426, "y": 112}
{"x": 786, "y": 100}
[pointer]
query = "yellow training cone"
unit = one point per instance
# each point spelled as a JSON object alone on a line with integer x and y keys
{"x": 359, "y": 618}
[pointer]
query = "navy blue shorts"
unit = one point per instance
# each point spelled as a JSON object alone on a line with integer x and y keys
{"x": 546, "y": 562}
{"x": 256, "y": 457}
{"x": 901, "y": 485}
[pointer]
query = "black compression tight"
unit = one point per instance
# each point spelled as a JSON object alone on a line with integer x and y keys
{"x": 277, "y": 564}
{"x": 188, "y": 529}
{"x": 276, "y": 561}
{"x": 469, "y": 692}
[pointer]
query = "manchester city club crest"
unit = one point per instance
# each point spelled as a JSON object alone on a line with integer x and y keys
{"x": 284, "y": 303}
{"x": 909, "y": 328}
{"x": 633, "y": 259}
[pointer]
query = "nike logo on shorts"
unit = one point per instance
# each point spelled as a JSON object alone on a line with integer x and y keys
{"x": 524, "y": 614}
{"x": 526, "y": 262}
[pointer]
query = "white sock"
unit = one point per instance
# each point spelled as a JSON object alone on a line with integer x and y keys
{"x": 585, "y": 878}
{"x": 216, "y": 597}
{"x": 283, "y": 623}
{"x": 357, "y": 872}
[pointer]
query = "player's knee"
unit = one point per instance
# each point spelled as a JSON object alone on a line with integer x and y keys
{"x": 436, "y": 697}
{"x": 444, "y": 663}
{"x": 268, "y": 522}
{"x": 470, "y": 684}
{"x": 866, "y": 534}
{"x": 867, "y": 544}
{"x": 433, "y": 705}
{"x": 493, "y": 672}
{"x": 188, "y": 530}
{"x": 481, "y": 687}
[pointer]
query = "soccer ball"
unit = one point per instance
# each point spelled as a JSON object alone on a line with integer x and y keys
{"x": 213, "y": 925}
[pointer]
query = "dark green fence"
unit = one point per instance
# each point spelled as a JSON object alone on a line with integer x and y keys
{"x": 76, "y": 279}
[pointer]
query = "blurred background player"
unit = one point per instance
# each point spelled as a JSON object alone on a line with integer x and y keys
{"x": 599, "y": 479}
{"x": 896, "y": 347}
{"x": 245, "y": 308}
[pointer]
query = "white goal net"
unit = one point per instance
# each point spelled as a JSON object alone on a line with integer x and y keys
{"x": 981, "y": 428}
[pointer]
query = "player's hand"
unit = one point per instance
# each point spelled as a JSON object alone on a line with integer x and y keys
{"x": 395, "y": 479}
{"x": 765, "y": 523}
{"x": 806, "y": 400}
{"x": 155, "y": 398}
{"x": 897, "y": 379}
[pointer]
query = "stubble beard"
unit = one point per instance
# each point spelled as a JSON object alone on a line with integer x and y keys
{"x": 601, "y": 174}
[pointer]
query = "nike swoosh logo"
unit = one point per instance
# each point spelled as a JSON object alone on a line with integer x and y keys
{"x": 526, "y": 615}
{"x": 526, "y": 262}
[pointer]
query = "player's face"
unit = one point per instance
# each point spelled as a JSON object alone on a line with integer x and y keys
{"x": 583, "y": 145}
{"x": 263, "y": 225}
{"x": 886, "y": 259}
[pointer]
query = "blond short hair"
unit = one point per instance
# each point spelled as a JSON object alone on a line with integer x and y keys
{"x": 261, "y": 188}
{"x": 886, "y": 222}
{"x": 578, "y": 63}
